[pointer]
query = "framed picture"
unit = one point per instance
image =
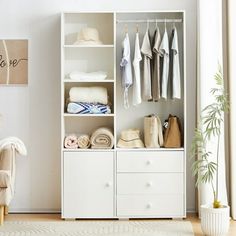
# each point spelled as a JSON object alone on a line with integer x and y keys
{"x": 14, "y": 62}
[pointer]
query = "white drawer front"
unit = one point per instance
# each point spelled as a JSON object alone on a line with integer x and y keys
{"x": 150, "y": 161}
{"x": 88, "y": 184}
{"x": 152, "y": 206}
{"x": 148, "y": 183}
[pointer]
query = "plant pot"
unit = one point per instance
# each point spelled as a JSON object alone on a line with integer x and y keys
{"x": 214, "y": 221}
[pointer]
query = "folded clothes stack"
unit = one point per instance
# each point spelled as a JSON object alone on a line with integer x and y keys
{"x": 102, "y": 138}
{"x": 87, "y": 76}
{"x": 88, "y": 100}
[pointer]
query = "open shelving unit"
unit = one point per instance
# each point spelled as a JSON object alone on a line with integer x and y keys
{"x": 94, "y": 180}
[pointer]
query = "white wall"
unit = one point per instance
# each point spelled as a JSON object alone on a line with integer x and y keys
{"x": 33, "y": 112}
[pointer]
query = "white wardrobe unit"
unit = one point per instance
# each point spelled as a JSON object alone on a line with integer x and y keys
{"x": 119, "y": 183}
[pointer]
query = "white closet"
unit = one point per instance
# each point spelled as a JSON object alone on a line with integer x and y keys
{"x": 119, "y": 183}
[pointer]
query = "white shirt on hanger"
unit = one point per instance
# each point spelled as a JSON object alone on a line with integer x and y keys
{"x": 136, "y": 64}
{"x": 147, "y": 52}
{"x": 164, "y": 50}
{"x": 176, "y": 84}
{"x": 126, "y": 70}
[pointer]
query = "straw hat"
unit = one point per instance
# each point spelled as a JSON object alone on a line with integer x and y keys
{"x": 130, "y": 138}
{"x": 88, "y": 36}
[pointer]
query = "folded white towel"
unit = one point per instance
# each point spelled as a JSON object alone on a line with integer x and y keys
{"x": 89, "y": 95}
{"x": 16, "y": 143}
{"x": 78, "y": 75}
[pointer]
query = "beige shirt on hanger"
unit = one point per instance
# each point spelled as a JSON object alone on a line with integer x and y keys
{"x": 147, "y": 52}
{"x": 156, "y": 75}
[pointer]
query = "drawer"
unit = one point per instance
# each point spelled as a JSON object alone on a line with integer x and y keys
{"x": 151, "y": 206}
{"x": 150, "y": 161}
{"x": 149, "y": 183}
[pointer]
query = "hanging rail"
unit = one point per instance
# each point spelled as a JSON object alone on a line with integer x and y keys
{"x": 151, "y": 21}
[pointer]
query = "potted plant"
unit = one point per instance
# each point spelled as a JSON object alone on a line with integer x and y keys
{"x": 214, "y": 216}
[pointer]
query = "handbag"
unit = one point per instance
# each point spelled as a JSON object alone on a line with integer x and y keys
{"x": 153, "y": 137}
{"x": 172, "y": 132}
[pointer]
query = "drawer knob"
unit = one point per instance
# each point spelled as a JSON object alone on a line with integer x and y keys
{"x": 108, "y": 184}
{"x": 149, "y": 205}
{"x": 149, "y": 184}
{"x": 149, "y": 162}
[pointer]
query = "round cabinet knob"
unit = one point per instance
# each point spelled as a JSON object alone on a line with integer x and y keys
{"x": 108, "y": 184}
{"x": 149, "y": 184}
{"x": 149, "y": 162}
{"x": 149, "y": 205}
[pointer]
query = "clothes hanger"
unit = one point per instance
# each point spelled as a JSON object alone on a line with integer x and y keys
{"x": 137, "y": 28}
{"x": 165, "y": 24}
{"x": 156, "y": 24}
{"x": 126, "y": 29}
{"x": 147, "y": 24}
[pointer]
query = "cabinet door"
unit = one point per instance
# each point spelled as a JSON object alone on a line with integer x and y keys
{"x": 88, "y": 184}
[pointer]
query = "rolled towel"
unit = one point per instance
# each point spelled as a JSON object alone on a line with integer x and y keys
{"x": 84, "y": 141}
{"x": 88, "y": 108}
{"x": 102, "y": 138}
{"x": 89, "y": 94}
{"x": 71, "y": 141}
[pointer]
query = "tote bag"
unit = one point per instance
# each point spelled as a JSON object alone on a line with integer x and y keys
{"x": 153, "y": 137}
{"x": 172, "y": 134}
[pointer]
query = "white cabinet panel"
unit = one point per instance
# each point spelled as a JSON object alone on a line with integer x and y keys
{"x": 88, "y": 184}
{"x": 150, "y": 161}
{"x": 151, "y": 205}
{"x": 146, "y": 183}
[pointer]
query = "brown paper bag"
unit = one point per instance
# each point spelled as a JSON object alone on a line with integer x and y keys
{"x": 172, "y": 134}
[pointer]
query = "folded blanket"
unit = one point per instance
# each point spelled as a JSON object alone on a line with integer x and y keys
{"x": 102, "y": 138}
{"x": 16, "y": 142}
{"x": 88, "y": 108}
{"x": 71, "y": 141}
{"x": 89, "y": 95}
{"x": 97, "y": 75}
{"x": 83, "y": 141}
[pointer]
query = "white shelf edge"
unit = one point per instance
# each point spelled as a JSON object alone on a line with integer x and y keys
{"x": 88, "y": 81}
{"x": 87, "y": 150}
{"x": 90, "y": 115}
{"x": 150, "y": 149}
{"x": 89, "y": 46}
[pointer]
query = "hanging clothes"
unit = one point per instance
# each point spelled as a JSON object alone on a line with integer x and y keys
{"x": 156, "y": 75}
{"x": 126, "y": 70}
{"x": 175, "y": 70}
{"x": 164, "y": 50}
{"x": 136, "y": 64}
{"x": 147, "y": 53}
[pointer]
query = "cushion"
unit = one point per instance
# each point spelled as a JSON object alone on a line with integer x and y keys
{"x": 5, "y": 178}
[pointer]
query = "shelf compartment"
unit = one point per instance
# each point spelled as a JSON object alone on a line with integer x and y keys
{"x": 103, "y": 22}
{"x": 89, "y": 60}
{"x": 109, "y": 87}
{"x": 86, "y": 125}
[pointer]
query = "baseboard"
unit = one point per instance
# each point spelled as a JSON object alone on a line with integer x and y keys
{"x": 34, "y": 211}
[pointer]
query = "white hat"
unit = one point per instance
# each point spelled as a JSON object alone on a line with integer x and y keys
{"x": 88, "y": 36}
{"x": 130, "y": 138}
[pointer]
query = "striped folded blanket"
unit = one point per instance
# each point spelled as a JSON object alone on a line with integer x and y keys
{"x": 88, "y": 108}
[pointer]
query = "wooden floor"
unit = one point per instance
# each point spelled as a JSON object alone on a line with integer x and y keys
{"x": 57, "y": 217}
